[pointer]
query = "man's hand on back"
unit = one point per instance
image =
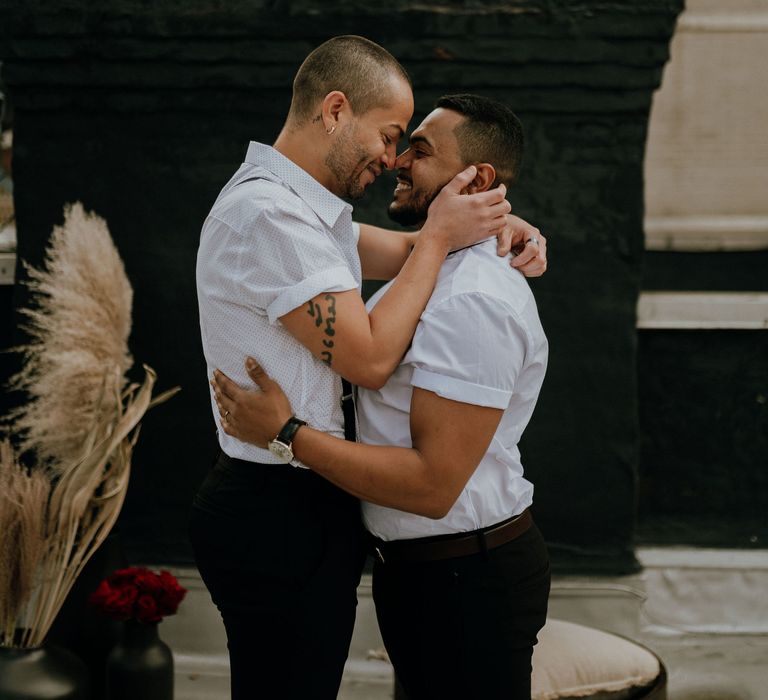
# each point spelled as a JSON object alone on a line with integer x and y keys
{"x": 527, "y": 243}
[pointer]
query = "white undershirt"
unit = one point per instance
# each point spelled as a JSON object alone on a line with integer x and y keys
{"x": 479, "y": 341}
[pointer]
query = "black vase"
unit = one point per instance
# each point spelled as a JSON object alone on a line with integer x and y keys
{"x": 81, "y": 628}
{"x": 140, "y": 665}
{"x": 43, "y": 673}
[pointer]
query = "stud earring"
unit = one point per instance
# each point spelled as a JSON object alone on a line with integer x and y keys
{"x": 331, "y": 130}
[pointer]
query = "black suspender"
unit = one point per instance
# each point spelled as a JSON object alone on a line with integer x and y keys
{"x": 348, "y": 408}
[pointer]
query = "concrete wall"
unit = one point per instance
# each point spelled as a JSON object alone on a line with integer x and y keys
{"x": 142, "y": 111}
{"x": 707, "y": 154}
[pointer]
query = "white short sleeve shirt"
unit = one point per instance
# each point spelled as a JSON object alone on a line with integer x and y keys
{"x": 274, "y": 239}
{"x": 479, "y": 341}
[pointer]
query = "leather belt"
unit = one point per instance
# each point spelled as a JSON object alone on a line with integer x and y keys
{"x": 449, "y": 546}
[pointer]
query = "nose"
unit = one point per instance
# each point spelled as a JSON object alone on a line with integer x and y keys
{"x": 403, "y": 161}
{"x": 390, "y": 157}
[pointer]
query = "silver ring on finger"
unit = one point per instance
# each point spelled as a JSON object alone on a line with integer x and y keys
{"x": 532, "y": 239}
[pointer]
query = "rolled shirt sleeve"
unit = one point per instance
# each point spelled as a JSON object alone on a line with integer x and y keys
{"x": 283, "y": 261}
{"x": 469, "y": 348}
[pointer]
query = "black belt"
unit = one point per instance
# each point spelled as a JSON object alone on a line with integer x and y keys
{"x": 449, "y": 546}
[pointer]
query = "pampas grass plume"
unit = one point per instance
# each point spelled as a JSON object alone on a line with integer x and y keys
{"x": 78, "y": 350}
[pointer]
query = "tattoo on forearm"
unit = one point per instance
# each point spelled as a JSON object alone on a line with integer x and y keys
{"x": 316, "y": 313}
{"x": 331, "y": 317}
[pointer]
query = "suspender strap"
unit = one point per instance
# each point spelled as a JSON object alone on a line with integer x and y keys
{"x": 348, "y": 408}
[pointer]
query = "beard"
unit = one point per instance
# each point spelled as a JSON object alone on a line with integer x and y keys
{"x": 346, "y": 161}
{"x": 415, "y": 209}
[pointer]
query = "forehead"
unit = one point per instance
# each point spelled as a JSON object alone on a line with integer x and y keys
{"x": 398, "y": 112}
{"x": 438, "y": 127}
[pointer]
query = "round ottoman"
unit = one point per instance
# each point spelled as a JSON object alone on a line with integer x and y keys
{"x": 574, "y": 661}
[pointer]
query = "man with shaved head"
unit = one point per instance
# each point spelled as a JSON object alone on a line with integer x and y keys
{"x": 279, "y": 271}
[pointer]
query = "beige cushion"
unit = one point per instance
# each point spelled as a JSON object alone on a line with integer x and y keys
{"x": 573, "y": 661}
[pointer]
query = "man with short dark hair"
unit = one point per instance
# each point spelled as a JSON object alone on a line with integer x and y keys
{"x": 278, "y": 274}
{"x": 461, "y": 580}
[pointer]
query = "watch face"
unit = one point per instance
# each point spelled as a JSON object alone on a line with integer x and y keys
{"x": 281, "y": 450}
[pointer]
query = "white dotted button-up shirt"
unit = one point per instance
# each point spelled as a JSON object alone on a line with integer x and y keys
{"x": 479, "y": 341}
{"x": 274, "y": 239}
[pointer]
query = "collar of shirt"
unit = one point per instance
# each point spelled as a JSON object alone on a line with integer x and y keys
{"x": 472, "y": 245}
{"x": 321, "y": 200}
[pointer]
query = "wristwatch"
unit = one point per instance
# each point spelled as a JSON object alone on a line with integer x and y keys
{"x": 282, "y": 445}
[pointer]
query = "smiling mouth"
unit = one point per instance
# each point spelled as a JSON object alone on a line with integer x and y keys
{"x": 373, "y": 170}
{"x": 403, "y": 185}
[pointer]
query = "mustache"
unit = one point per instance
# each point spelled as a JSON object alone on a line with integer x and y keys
{"x": 401, "y": 175}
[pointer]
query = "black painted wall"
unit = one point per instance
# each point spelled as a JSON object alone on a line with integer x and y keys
{"x": 143, "y": 111}
{"x": 704, "y": 449}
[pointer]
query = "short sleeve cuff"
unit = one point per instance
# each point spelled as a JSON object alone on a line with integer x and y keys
{"x": 356, "y": 231}
{"x": 335, "y": 279}
{"x": 460, "y": 390}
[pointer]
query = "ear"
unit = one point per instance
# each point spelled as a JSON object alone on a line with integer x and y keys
{"x": 334, "y": 105}
{"x": 486, "y": 174}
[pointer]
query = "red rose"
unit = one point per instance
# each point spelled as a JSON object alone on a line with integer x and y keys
{"x": 114, "y": 602}
{"x": 123, "y": 576}
{"x": 171, "y": 593}
{"x": 120, "y": 603}
{"x": 146, "y": 609}
{"x": 99, "y": 596}
{"x": 148, "y": 582}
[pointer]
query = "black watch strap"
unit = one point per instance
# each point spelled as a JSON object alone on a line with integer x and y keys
{"x": 289, "y": 430}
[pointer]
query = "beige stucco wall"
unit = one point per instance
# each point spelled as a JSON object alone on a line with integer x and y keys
{"x": 707, "y": 154}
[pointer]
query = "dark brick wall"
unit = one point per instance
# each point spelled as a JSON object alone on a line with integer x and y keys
{"x": 704, "y": 450}
{"x": 142, "y": 111}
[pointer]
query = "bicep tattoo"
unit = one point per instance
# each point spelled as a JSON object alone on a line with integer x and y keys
{"x": 327, "y": 322}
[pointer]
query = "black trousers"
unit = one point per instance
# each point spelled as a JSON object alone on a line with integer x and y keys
{"x": 465, "y": 628}
{"x": 281, "y": 551}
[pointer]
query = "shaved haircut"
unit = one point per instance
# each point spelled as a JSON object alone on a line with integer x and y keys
{"x": 490, "y": 133}
{"x": 351, "y": 64}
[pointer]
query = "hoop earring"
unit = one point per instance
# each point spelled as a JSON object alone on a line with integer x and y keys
{"x": 331, "y": 130}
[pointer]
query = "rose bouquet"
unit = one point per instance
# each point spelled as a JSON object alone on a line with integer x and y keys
{"x": 136, "y": 593}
